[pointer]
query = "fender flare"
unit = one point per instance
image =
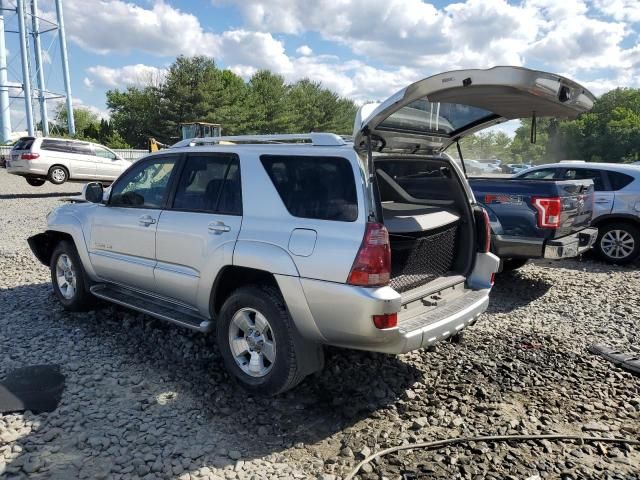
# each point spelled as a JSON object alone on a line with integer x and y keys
{"x": 66, "y": 222}
{"x": 264, "y": 256}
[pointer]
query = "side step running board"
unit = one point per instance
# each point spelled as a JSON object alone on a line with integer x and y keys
{"x": 153, "y": 306}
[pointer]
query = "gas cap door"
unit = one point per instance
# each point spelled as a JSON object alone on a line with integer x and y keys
{"x": 302, "y": 242}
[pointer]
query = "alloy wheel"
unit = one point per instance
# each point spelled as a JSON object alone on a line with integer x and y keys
{"x": 58, "y": 175}
{"x": 252, "y": 342}
{"x": 66, "y": 276}
{"x": 617, "y": 244}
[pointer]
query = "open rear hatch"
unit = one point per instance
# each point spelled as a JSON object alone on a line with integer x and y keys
{"x": 431, "y": 114}
{"x": 420, "y": 196}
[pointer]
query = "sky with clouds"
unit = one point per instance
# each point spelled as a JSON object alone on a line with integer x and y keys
{"x": 362, "y": 49}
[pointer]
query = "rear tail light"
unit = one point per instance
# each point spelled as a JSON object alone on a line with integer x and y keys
{"x": 29, "y": 156}
{"x": 389, "y": 320}
{"x": 372, "y": 266}
{"x": 483, "y": 230}
{"x": 549, "y": 210}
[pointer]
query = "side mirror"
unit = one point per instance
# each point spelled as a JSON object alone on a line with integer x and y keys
{"x": 92, "y": 192}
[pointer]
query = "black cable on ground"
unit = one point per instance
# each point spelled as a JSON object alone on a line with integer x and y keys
{"x": 491, "y": 438}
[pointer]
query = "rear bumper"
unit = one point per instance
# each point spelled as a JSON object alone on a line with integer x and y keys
{"x": 343, "y": 314}
{"x": 571, "y": 245}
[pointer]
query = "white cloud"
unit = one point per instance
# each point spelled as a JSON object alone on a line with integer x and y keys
{"x": 88, "y": 83}
{"x": 416, "y": 35}
{"x": 115, "y": 26}
{"x": 304, "y": 50}
{"x": 129, "y": 75}
{"x": 620, "y": 9}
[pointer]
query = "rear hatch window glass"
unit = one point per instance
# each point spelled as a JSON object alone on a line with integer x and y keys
{"x": 322, "y": 188}
{"x": 436, "y": 118}
{"x": 23, "y": 143}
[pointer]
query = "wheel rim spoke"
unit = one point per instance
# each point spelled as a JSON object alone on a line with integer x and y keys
{"x": 239, "y": 347}
{"x": 269, "y": 351}
{"x": 261, "y": 323}
{"x": 242, "y": 321}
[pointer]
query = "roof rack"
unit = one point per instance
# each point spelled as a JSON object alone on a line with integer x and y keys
{"x": 315, "y": 139}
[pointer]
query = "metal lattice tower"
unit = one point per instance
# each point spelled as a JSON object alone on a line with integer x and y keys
{"x": 30, "y": 33}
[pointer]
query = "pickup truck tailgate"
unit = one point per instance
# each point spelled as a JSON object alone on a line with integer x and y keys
{"x": 577, "y": 206}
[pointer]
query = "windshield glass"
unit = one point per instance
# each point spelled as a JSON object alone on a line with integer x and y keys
{"x": 436, "y": 118}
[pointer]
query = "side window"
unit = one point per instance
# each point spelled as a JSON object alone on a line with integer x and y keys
{"x": 103, "y": 153}
{"x": 82, "y": 148}
{"x": 586, "y": 174}
{"x": 56, "y": 146}
{"x": 314, "y": 187}
{"x": 542, "y": 174}
{"x": 619, "y": 180}
{"x": 145, "y": 185}
{"x": 210, "y": 183}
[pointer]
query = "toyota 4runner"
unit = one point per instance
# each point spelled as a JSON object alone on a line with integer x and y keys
{"x": 286, "y": 243}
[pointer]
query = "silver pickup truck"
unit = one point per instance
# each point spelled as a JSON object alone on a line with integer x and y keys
{"x": 287, "y": 243}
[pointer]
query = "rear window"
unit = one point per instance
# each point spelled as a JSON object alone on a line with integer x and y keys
{"x": 542, "y": 174}
{"x": 56, "y": 145}
{"x": 314, "y": 187}
{"x": 436, "y": 118}
{"x": 24, "y": 143}
{"x": 619, "y": 180}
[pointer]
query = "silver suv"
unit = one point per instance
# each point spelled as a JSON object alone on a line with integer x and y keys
{"x": 61, "y": 159}
{"x": 286, "y": 243}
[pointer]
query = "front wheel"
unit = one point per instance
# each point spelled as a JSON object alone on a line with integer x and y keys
{"x": 69, "y": 279}
{"x": 618, "y": 243}
{"x": 58, "y": 175}
{"x": 256, "y": 339}
{"x": 35, "y": 182}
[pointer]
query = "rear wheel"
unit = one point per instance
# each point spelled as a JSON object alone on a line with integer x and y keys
{"x": 511, "y": 264}
{"x": 58, "y": 175}
{"x": 69, "y": 279}
{"x": 618, "y": 242}
{"x": 256, "y": 338}
{"x": 35, "y": 182}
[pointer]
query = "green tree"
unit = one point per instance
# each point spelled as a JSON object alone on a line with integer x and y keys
{"x": 136, "y": 115}
{"x": 86, "y": 121}
{"x": 267, "y": 98}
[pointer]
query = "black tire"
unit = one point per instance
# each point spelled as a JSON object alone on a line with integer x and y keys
{"x": 511, "y": 264}
{"x": 628, "y": 233}
{"x": 285, "y": 372}
{"x": 81, "y": 299}
{"x": 35, "y": 182}
{"x": 58, "y": 175}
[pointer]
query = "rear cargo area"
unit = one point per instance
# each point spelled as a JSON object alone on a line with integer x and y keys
{"x": 429, "y": 220}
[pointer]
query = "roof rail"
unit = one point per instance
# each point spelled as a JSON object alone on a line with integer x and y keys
{"x": 315, "y": 139}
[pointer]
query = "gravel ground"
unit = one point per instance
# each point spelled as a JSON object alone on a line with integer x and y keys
{"x": 144, "y": 399}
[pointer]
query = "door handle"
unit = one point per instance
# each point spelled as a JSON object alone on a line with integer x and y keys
{"x": 218, "y": 227}
{"x": 602, "y": 200}
{"x": 146, "y": 220}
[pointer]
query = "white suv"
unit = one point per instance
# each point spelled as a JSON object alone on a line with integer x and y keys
{"x": 286, "y": 243}
{"x": 61, "y": 159}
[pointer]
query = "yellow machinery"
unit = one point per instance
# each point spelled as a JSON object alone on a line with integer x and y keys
{"x": 190, "y": 130}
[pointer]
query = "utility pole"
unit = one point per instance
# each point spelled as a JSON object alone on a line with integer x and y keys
{"x": 65, "y": 67}
{"x": 26, "y": 78}
{"x": 44, "y": 117}
{"x": 5, "y": 112}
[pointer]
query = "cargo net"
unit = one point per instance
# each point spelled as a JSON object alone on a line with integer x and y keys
{"x": 417, "y": 260}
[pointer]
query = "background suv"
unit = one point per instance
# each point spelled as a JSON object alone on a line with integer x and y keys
{"x": 616, "y": 210}
{"x": 60, "y": 159}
